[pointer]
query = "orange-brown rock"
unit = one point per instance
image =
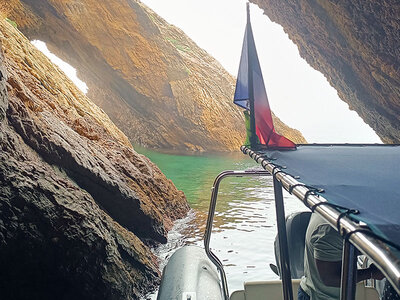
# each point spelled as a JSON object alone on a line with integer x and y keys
{"x": 78, "y": 206}
{"x": 356, "y": 45}
{"x": 155, "y": 83}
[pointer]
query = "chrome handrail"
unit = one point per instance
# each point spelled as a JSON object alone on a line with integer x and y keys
{"x": 210, "y": 218}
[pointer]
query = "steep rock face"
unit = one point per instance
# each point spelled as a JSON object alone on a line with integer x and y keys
{"x": 77, "y": 204}
{"x": 156, "y": 84}
{"x": 355, "y": 44}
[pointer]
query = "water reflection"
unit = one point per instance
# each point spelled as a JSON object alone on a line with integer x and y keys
{"x": 244, "y": 225}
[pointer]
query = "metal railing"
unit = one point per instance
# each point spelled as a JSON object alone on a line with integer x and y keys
{"x": 210, "y": 218}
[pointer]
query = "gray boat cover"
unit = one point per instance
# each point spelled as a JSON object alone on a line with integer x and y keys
{"x": 362, "y": 177}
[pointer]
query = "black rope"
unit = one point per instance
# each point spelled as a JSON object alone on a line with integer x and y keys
{"x": 308, "y": 193}
{"x": 359, "y": 229}
{"x": 345, "y": 214}
{"x": 345, "y": 211}
{"x": 281, "y": 171}
{"x": 373, "y": 234}
{"x": 286, "y": 173}
{"x": 277, "y": 167}
{"x": 318, "y": 204}
{"x": 251, "y": 153}
{"x": 333, "y": 206}
{"x": 265, "y": 156}
{"x": 318, "y": 190}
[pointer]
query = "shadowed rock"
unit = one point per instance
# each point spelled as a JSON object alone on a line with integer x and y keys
{"x": 355, "y": 44}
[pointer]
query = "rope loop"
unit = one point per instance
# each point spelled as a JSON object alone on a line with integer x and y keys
{"x": 367, "y": 231}
{"x": 277, "y": 167}
{"x": 317, "y": 190}
{"x": 281, "y": 171}
{"x": 345, "y": 212}
{"x": 308, "y": 193}
{"x": 286, "y": 173}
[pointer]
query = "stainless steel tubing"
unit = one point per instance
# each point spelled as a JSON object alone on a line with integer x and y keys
{"x": 383, "y": 256}
{"x": 210, "y": 218}
{"x": 349, "y": 272}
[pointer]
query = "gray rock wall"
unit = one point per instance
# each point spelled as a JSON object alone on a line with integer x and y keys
{"x": 356, "y": 45}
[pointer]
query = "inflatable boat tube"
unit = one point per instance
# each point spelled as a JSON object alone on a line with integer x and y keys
{"x": 190, "y": 275}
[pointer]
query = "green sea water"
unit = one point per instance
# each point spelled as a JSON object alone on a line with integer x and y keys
{"x": 244, "y": 225}
{"x": 194, "y": 174}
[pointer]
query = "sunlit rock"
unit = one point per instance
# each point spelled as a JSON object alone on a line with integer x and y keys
{"x": 154, "y": 82}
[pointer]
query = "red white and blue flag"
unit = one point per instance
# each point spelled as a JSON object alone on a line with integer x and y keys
{"x": 251, "y": 95}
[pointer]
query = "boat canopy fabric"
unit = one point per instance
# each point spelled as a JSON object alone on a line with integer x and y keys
{"x": 252, "y": 86}
{"x": 361, "y": 177}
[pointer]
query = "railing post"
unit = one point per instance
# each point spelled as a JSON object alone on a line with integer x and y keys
{"x": 283, "y": 246}
{"x": 349, "y": 272}
{"x": 207, "y": 235}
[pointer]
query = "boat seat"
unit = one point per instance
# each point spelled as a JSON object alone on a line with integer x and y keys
{"x": 296, "y": 227}
{"x": 257, "y": 290}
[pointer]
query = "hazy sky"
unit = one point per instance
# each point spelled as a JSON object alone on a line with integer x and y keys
{"x": 300, "y": 96}
{"x": 65, "y": 67}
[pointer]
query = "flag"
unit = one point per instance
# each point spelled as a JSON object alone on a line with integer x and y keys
{"x": 250, "y": 94}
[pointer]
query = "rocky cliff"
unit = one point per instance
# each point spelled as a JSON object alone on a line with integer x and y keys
{"x": 356, "y": 45}
{"x": 155, "y": 83}
{"x": 78, "y": 206}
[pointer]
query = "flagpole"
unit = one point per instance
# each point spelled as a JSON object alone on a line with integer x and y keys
{"x": 253, "y": 136}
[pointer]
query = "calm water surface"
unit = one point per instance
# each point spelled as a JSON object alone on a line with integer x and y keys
{"x": 244, "y": 226}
